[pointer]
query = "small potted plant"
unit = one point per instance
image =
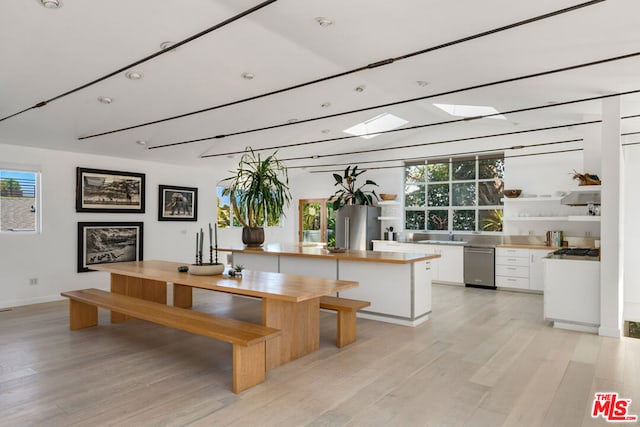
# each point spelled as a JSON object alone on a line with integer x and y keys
{"x": 259, "y": 193}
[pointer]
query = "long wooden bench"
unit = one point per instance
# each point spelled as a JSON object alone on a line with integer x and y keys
{"x": 248, "y": 339}
{"x": 346, "y": 309}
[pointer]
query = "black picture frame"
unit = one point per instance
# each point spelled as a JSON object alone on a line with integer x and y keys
{"x": 109, "y": 242}
{"x": 99, "y": 190}
{"x": 177, "y": 203}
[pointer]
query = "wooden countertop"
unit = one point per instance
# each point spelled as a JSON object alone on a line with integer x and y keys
{"x": 316, "y": 251}
{"x": 287, "y": 287}
{"x": 525, "y": 246}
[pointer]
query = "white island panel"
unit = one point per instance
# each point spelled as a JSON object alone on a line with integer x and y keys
{"x": 398, "y": 293}
{"x": 257, "y": 262}
{"x": 572, "y": 294}
{"x": 325, "y": 268}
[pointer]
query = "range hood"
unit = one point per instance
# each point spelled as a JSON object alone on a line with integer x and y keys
{"x": 582, "y": 197}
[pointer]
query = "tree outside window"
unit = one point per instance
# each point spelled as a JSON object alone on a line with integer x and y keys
{"x": 455, "y": 194}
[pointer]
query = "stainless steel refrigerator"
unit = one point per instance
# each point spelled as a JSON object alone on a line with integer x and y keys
{"x": 357, "y": 226}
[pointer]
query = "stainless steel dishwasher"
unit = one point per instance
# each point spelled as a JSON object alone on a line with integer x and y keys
{"x": 480, "y": 266}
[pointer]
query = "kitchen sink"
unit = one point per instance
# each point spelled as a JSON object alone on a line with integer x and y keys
{"x": 443, "y": 242}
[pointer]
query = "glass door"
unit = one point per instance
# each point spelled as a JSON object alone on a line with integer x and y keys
{"x": 316, "y": 221}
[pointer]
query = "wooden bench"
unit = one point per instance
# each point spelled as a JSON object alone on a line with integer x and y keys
{"x": 248, "y": 339}
{"x": 346, "y": 309}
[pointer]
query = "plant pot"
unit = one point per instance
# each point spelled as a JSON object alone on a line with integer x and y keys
{"x": 253, "y": 236}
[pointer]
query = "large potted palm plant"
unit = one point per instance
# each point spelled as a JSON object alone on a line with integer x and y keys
{"x": 259, "y": 193}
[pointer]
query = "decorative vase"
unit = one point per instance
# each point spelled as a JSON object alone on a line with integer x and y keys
{"x": 253, "y": 237}
{"x": 206, "y": 269}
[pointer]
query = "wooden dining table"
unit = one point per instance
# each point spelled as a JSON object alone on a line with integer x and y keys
{"x": 290, "y": 303}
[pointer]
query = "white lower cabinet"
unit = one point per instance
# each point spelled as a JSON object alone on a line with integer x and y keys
{"x": 449, "y": 268}
{"x": 536, "y": 268}
{"x": 520, "y": 268}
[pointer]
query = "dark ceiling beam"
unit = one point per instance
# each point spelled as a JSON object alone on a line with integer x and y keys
{"x": 370, "y": 66}
{"x": 405, "y": 101}
{"x": 498, "y": 151}
{"x": 146, "y": 58}
{"x": 519, "y": 110}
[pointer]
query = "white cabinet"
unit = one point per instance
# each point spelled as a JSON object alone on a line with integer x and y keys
{"x": 451, "y": 263}
{"x": 536, "y": 268}
{"x": 448, "y": 268}
{"x": 512, "y": 268}
{"x": 572, "y": 294}
{"x": 520, "y": 268}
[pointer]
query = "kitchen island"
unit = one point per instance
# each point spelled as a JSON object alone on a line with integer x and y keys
{"x": 398, "y": 285}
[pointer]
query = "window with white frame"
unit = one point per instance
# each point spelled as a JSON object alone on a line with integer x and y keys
{"x": 19, "y": 201}
{"x": 455, "y": 194}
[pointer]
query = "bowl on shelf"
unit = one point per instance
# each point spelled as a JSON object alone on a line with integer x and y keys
{"x": 512, "y": 194}
{"x": 388, "y": 197}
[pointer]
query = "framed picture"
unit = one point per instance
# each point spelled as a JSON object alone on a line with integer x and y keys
{"x": 108, "y": 242}
{"x": 177, "y": 203}
{"x": 109, "y": 191}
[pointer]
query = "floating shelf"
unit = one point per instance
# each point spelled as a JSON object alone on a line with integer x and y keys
{"x": 582, "y": 218}
{"x": 585, "y": 218}
{"x": 389, "y": 218}
{"x": 538, "y": 218}
{"x": 388, "y": 203}
{"x": 531, "y": 199}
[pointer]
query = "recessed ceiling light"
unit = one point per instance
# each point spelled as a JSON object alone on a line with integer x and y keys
{"x": 422, "y": 83}
{"x": 292, "y": 121}
{"x": 325, "y": 130}
{"x": 105, "y": 99}
{"x": 324, "y": 22}
{"x": 360, "y": 88}
{"x": 133, "y": 75}
{"x": 51, "y": 4}
{"x": 325, "y": 105}
{"x": 166, "y": 45}
{"x": 141, "y": 142}
{"x": 248, "y": 76}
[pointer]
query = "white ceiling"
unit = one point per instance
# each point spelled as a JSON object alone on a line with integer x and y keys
{"x": 45, "y": 53}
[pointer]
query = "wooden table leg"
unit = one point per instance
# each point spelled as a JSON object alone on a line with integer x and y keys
{"x": 182, "y": 296}
{"x": 151, "y": 290}
{"x": 300, "y": 326}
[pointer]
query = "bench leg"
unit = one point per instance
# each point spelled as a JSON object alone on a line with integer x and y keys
{"x": 82, "y": 315}
{"x": 346, "y": 328}
{"x": 249, "y": 366}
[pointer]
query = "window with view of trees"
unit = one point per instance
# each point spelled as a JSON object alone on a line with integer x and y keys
{"x": 226, "y": 216}
{"x": 19, "y": 195}
{"x": 455, "y": 194}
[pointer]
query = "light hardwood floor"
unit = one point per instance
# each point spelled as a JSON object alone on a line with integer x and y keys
{"x": 483, "y": 359}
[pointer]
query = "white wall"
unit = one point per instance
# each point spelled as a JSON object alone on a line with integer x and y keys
{"x": 631, "y": 279}
{"x": 51, "y": 256}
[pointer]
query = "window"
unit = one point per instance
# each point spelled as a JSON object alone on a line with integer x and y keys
{"x": 19, "y": 201}
{"x": 226, "y": 216}
{"x": 455, "y": 194}
{"x": 225, "y": 211}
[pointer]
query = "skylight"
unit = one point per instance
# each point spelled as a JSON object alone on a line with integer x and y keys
{"x": 381, "y": 123}
{"x": 470, "y": 110}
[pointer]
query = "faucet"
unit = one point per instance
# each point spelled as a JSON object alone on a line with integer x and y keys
{"x": 451, "y": 237}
